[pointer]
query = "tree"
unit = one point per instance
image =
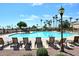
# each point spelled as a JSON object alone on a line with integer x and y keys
{"x": 66, "y": 25}
{"x": 21, "y": 24}
{"x": 8, "y": 27}
{"x": 49, "y": 23}
{"x": 56, "y": 17}
{"x": 70, "y": 19}
{"x": 53, "y": 20}
{"x": 34, "y": 27}
{"x": 41, "y": 23}
{"x": 45, "y": 26}
{"x": 77, "y": 19}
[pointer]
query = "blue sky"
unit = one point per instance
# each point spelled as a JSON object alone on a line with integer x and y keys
{"x": 31, "y": 13}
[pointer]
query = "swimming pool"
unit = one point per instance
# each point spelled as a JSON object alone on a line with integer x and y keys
{"x": 42, "y": 34}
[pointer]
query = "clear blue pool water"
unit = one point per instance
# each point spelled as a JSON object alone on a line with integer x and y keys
{"x": 42, "y": 35}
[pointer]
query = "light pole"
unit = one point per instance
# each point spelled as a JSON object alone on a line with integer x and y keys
{"x": 61, "y": 11}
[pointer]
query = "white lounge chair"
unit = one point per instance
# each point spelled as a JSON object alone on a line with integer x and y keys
{"x": 1, "y": 47}
{"x": 57, "y": 46}
{"x": 69, "y": 46}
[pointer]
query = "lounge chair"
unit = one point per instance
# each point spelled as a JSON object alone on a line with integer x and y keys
{"x": 51, "y": 41}
{"x": 15, "y": 44}
{"x": 28, "y": 46}
{"x": 1, "y": 43}
{"x": 76, "y": 39}
{"x": 25, "y": 40}
{"x": 56, "y": 46}
{"x": 16, "y": 47}
{"x": 1, "y": 47}
{"x": 76, "y": 44}
{"x": 6, "y": 44}
{"x": 14, "y": 40}
{"x": 69, "y": 46}
{"x": 27, "y": 43}
{"x": 38, "y": 42}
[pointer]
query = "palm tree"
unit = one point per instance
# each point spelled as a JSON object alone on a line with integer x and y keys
{"x": 41, "y": 23}
{"x": 45, "y": 26}
{"x": 59, "y": 24}
{"x": 46, "y": 22}
{"x": 53, "y": 20}
{"x": 77, "y": 19}
{"x": 70, "y": 19}
{"x": 56, "y": 17}
{"x": 66, "y": 25}
{"x": 33, "y": 27}
{"x": 37, "y": 25}
{"x": 49, "y": 23}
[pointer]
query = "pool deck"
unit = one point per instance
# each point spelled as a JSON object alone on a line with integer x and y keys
{"x": 8, "y": 51}
{"x": 51, "y": 52}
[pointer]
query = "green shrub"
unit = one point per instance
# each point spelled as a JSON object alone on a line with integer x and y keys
{"x": 42, "y": 52}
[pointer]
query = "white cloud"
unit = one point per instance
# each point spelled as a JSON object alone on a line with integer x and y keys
{"x": 68, "y": 4}
{"x": 35, "y": 17}
{"x": 37, "y": 4}
{"x": 47, "y": 16}
{"x": 65, "y": 16}
{"x": 32, "y": 17}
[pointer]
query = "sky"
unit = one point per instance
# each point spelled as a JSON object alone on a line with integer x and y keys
{"x": 32, "y": 13}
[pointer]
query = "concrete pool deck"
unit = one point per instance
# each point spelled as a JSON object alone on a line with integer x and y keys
{"x": 51, "y": 52}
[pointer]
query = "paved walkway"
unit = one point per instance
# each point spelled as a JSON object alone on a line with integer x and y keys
{"x": 51, "y": 52}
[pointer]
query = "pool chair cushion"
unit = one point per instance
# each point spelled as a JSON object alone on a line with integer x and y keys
{"x": 14, "y": 40}
{"x": 1, "y": 41}
{"x": 76, "y": 39}
{"x": 38, "y": 42}
{"x": 25, "y": 40}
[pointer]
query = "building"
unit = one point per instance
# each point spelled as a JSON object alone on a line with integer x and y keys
{"x": 75, "y": 25}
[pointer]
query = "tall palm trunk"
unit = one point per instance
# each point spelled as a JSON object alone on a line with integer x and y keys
{"x": 56, "y": 17}
{"x": 53, "y": 21}
{"x": 41, "y": 24}
{"x": 70, "y": 21}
